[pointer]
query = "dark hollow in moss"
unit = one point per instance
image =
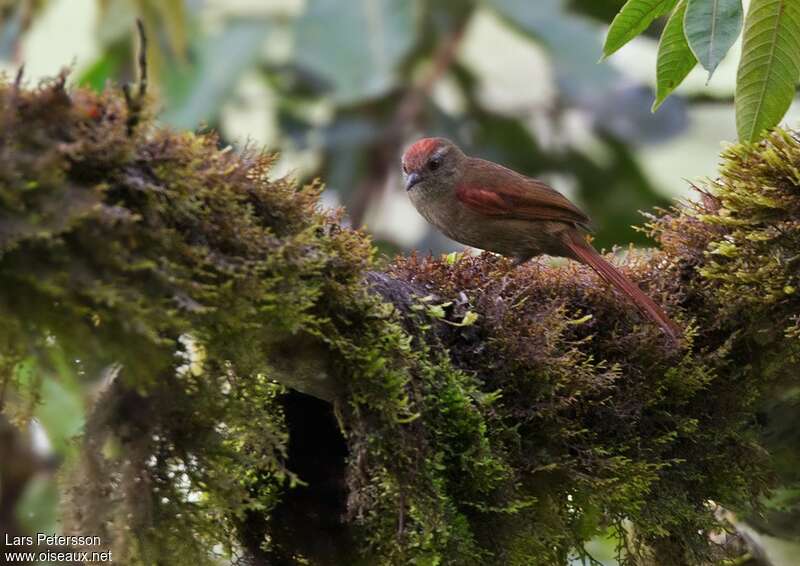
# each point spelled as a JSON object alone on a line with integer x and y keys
{"x": 315, "y": 510}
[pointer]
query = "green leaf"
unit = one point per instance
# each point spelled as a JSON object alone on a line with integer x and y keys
{"x": 581, "y": 320}
{"x": 634, "y": 17}
{"x": 769, "y": 68}
{"x": 436, "y": 311}
{"x": 356, "y": 46}
{"x": 469, "y": 318}
{"x": 453, "y": 258}
{"x": 711, "y": 27}
{"x": 675, "y": 59}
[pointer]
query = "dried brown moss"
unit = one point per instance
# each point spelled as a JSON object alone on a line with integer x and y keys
{"x": 483, "y": 414}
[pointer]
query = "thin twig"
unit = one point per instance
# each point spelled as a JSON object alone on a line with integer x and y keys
{"x": 136, "y": 103}
{"x": 404, "y": 118}
{"x": 18, "y": 78}
{"x": 15, "y": 97}
{"x": 142, "y": 57}
{"x": 410, "y": 106}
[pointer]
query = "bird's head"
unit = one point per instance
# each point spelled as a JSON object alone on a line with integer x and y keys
{"x": 431, "y": 162}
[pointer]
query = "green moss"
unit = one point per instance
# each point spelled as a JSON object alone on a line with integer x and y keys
{"x": 114, "y": 249}
{"x": 490, "y": 414}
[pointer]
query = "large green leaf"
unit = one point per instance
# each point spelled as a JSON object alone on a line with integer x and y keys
{"x": 675, "y": 59}
{"x": 355, "y": 45}
{"x": 770, "y": 66}
{"x": 711, "y": 27}
{"x": 634, "y": 17}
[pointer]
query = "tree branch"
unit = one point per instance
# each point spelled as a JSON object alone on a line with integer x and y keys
{"x": 478, "y": 404}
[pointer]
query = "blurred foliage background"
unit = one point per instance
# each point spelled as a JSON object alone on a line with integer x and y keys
{"x": 340, "y": 87}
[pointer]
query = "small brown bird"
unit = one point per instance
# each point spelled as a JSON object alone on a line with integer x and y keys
{"x": 487, "y": 206}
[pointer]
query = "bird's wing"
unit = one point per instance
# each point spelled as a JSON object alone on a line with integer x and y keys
{"x": 496, "y": 191}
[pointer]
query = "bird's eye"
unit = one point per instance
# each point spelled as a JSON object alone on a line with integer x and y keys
{"x": 434, "y": 163}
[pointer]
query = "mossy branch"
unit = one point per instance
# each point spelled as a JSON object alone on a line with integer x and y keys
{"x": 473, "y": 412}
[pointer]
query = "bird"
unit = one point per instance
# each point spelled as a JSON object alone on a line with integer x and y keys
{"x": 487, "y": 206}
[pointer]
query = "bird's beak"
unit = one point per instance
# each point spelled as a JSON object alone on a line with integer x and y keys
{"x": 412, "y": 179}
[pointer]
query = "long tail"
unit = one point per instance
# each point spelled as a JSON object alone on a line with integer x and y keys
{"x": 585, "y": 253}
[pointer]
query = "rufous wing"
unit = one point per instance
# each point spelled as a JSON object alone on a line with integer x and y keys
{"x": 493, "y": 190}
